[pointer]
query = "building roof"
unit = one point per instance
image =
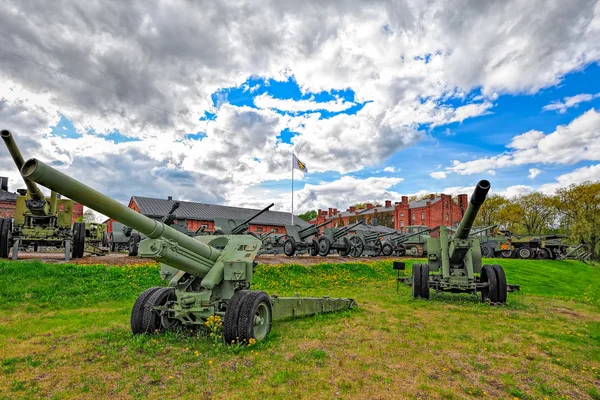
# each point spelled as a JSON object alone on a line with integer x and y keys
{"x": 8, "y": 196}
{"x": 157, "y": 208}
{"x": 423, "y": 203}
{"x": 374, "y": 228}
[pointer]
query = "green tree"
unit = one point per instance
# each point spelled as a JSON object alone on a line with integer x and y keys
{"x": 579, "y": 209}
{"x": 538, "y": 212}
{"x": 89, "y": 216}
{"x": 489, "y": 213}
{"x": 309, "y": 215}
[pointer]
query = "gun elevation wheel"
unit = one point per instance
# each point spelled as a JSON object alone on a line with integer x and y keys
{"x": 256, "y": 317}
{"x": 314, "y": 249}
{"x": 134, "y": 241}
{"x": 489, "y": 291}
{"x": 137, "y": 311}
{"x": 324, "y": 246}
{"x": 416, "y": 280}
{"x": 358, "y": 246}
{"x": 347, "y": 249}
{"x": 5, "y": 231}
{"x": 387, "y": 249}
{"x": 230, "y": 323}
{"x": 289, "y": 247}
{"x": 151, "y": 318}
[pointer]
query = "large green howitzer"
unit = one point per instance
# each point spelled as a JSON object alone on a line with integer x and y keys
{"x": 39, "y": 221}
{"x": 455, "y": 265}
{"x": 335, "y": 239}
{"x": 368, "y": 243}
{"x": 230, "y": 226}
{"x": 296, "y": 239}
{"x": 208, "y": 275}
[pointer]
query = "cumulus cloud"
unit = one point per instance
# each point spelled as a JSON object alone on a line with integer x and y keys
{"x": 389, "y": 169}
{"x": 562, "y": 106}
{"x": 266, "y": 101}
{"x": 579, "y": 175}
{"x": 438, "y": 175}
{"x": 533, "y": 172}
{"x": 568, "y": 144}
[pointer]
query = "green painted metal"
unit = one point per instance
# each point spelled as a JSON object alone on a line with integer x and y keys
{"x": 204, "y": 273}
{"x": 229, "y": 226}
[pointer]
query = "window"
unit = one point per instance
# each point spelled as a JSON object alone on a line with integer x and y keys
{"x": 414, "y": 216}
{"x": 446, "y": 203}
{"x": 423, "y": 215}
{"x": 259, "y": 229}
{"x": 401, "y": 224}
{"x": 447, "y": 217}
{"x": 402, "y": 214}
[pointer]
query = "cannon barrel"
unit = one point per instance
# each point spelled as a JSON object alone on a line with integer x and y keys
{"x": 257, "y": 214}
{"x": 478, "y": 231}
{"x": 477, "y": 199}
{"x": 34, "y": 191}
{"x": 191, "y": 255}
{"x": 314, "y": 227}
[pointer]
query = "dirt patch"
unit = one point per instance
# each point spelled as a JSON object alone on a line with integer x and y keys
{"x": 308, "y": 260}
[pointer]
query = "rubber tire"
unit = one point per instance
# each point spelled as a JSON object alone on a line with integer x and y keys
{"x": 545, "y": 254}
{"x": 486, "y": 251}
{"x": 416, "y": 280}
{"x": 78, "y": 240}
{"x": 150, "y": 321}
{"x": 506, "y": 254}
{"x": 134, "y": 241}
{"x": 401, "y": 250}
{"x": 230, "y": 322}
{"x": 378, "y": 248}
{"x": 347, "y": 250}
{"x": 387, "y": 250}
{"x": 4, "y": 237}
{"x": 362, "y": 249}
{"x": 247, "y": 312}
{"x": 425, "y": 281}
{"x": 324, "y": 246}
{"x": 501, "y": 280}
{"x": 111, "y": 243}
{"x": 491, "y": 292}
{"x": 292, "y": 247}
{"x": 137, "y": 311}
{"x": 105, "y": 239}
{"x": 527, "y": 249}
{"x": 314, "y": 250}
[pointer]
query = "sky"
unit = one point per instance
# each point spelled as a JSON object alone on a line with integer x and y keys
{"x": 206, "y": 101}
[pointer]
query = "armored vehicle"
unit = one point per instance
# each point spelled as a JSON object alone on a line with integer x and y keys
{"x": 492, "y": 243}
{"x": 546, "y": 247}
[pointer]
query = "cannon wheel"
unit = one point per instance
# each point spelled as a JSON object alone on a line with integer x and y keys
{"x": 416, "y": 280}
{"x": 401, "y": 250}
{"x": 78, "y": 239}
{"x": 105, "y": 242}
{"x": 387, "y": 249}
{"x": 289, "y": 247}
{"x": 314, "y": 249}
{"x": 151, "y": 321}
{"x": 137, "y": 311}
{"x": 347, "y": 249}
{"x": 5, "y": 225}
{"x": 501, "y": 280}
{"x": 425, "y": 281}
{"x": 111, "y": 243}
{"x": 358, "y": 246}
{"x": 545, "y": 254}
{"x": 525, "y": 252}
{"x": 324, "y": 246}
{"x": 378, "y": 247}
{"x": 134, "y": 241}
{"x": 230, "y": 323}
{"x": 256, "y": 317}
{"x": 490, "y": 292}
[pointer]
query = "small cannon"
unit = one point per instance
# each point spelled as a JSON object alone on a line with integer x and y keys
{"x": 335, "y": 239}
{"x": 457, "y": 261}
{"x": 296, "y": 239}
{"x": 207, "y": 275}
{"x": 368, "y": 243}
{"x": 400, "y": 243}
{"x": 225, "y": 226}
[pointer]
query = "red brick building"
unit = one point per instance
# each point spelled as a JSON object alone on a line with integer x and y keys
{"x": 433, "y": 211}
{"x": 198, "y": 214}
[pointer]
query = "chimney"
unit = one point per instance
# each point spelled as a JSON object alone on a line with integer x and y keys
{"x": 330, "y": 211}
{"x": 170, "y": 198}
{"x": 397, "y": 202}
{"x": 352, "y": 209}
{"x": 431, "y": 196}
{"x": 335, "y": 211}
{"x": 4, "y": 183}
{"x": 388, "y": 203}
{"x": 369, "y": 206}
{"x": 405, "y": 199}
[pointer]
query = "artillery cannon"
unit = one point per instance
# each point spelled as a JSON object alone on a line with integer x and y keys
{"x": 368, "y": 243}
{"x": 117, "y": 240}
{"x": 456, "y": 263}
{"x": 207, "y": 275}
{"x": 272, "y": 243}
{"x": 39, "y": 221}
{"x": 335, "y": 239}
{"x": 296, "y": 239}
{"x": 399, "y": 244}
{"x": 96, "y": 239}
{"x": 228, "y": 226}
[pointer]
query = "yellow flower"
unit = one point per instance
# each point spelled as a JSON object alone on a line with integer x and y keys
{"x": 210, "y": 362}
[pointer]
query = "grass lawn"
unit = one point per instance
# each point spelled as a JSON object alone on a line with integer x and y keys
{"x": 64, "y": 333}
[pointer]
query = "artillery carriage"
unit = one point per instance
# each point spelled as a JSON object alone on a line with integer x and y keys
{"x": 299, "y": 239}
{"x": 400, "y": 243}
{"x": 368, "y": 243}
{"x": 335, "y": 239}
{"x": 207, "y": 275}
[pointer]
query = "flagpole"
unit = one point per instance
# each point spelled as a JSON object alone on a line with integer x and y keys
{"x": 292, "y": 187}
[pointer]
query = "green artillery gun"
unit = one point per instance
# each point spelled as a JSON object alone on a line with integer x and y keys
{"x": 117, "y": 239}
{"x": 207, "y": 275}
{"x": 365, "y": 243}
{"x": 416, "y": 245}
{"x": 335, "y": 239}
{"x": 96, "y": 239}
{"x": 39, "y": 221}
{"x": 229, "y": 226}
{"x": 492, "y": 244}
{"x": 297, "y": 239}
{"x": 272, "y": 243}
{"x": 400, "y": 243}
{"x": 455, "y": 265}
